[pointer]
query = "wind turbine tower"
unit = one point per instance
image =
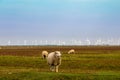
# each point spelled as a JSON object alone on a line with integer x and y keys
{"x": 9, "y": 42}
{"x": 88, "y": 42}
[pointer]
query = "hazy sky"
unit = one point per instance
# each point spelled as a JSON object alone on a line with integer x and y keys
{"x": 59, "y": 19}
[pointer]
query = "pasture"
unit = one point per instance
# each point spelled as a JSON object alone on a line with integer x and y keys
{"x": 88, "y": 63}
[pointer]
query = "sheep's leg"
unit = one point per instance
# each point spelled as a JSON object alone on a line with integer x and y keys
{"x": 56, "y": 68}
{"x": 52, "y": 68}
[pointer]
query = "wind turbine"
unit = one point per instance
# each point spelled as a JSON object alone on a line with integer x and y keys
{"x": 46, "y": 42}
{"x": 35, "y": 42}
{"x": 73, "y": 42}
{"x": 63, "y": 43}
{"x": 98, "y": 42}
{"x": 18, "y": 42}
{"x": 88, "y": 41}
{"x": 118, "y": 41}
{"x": 25, "y": 42}
{"x": 9, "y": 42}
{"x": 79, "y": 42}
{"x": 40, "y": 42}
{"x": 54, "y": 42}
{"x": 59, "y": 42}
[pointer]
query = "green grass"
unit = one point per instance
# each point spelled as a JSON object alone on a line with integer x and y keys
{"x": 84, "y": 65}
{"x": 59, "y": 76}
{"x": 79, "y": 61}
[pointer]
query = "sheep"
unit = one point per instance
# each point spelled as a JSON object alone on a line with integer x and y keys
{"x": 44, "y": 54}
{"x": 54, "y": 60}
{"x": 71, "y": 51}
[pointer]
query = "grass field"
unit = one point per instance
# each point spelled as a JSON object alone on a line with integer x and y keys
{"x": 88, "y": 63}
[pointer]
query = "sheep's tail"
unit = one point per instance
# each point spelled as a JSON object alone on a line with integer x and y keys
{"x": 45, "y": 57}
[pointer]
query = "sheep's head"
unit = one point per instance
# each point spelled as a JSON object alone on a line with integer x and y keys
{"x": 57, "y": 54}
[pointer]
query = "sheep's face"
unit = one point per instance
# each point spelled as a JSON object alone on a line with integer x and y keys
{"x": 57, "y": 54}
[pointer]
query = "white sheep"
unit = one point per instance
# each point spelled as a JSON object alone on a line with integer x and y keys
{"x": 54, "y": 60}
{"x": 44, "y": 54}
{"x": 71, "y": 51}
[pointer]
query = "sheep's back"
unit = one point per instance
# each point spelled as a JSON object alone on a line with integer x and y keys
{"x": 50, "y": 58}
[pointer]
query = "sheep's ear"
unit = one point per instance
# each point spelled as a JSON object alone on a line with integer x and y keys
{"x": 55, "y": 52}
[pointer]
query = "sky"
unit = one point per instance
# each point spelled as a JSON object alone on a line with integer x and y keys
{"x": 59, "y": 19}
